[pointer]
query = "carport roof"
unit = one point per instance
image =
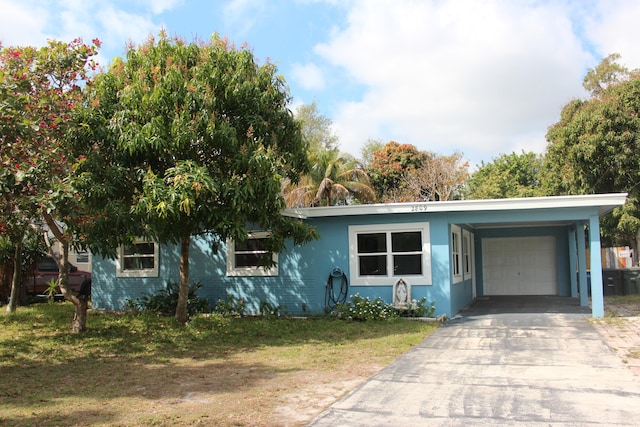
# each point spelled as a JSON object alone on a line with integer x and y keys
{"x": 605, "y": 203}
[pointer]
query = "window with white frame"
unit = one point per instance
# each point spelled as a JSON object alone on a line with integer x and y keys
{"x": 467, "y": 254}
{"x": 137, "y": 259}
{"x": 378, "y": 254}
{"x": 466, "y": 264}
{"x": 456, "y": 254}
{"x": 246, "y": 257}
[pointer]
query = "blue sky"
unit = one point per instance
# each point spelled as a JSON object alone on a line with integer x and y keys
{"x": 482, "y": 77}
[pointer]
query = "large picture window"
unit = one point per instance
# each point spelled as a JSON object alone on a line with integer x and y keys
{"x": 245, "y": 257}
{"x": 137, "y": 259}
{"x": 380, "y": 253}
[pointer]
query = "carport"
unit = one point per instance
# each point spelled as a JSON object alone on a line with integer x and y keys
{"x": 538, "y": 246}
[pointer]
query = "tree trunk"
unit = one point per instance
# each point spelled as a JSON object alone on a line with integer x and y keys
{"x": 16, "y": 283}
{"x": 81, "y": 305}
{"x": 80, "y": 302}
{"x": 182, "y": 314}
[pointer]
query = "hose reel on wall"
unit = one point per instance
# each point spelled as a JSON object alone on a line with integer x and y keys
{"x": 337, "y": 288}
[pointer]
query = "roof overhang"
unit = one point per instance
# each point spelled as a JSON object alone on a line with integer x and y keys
{"x": 605, "y": 203}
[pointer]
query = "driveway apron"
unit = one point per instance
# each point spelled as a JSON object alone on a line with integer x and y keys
{"x": 536, "y": 362}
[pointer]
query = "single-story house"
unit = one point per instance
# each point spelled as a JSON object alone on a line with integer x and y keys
{"x": 449, "y": 252}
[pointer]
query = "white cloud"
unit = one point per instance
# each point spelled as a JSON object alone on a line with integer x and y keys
{"x": 481, "y": 77}
{"x": 22, "y": 23}
{"x": 613, "y": 28}
{"x": 308, "y": 75}
{"x": 241, "y": 15}
{"x": 159, "y": 6}
{"x": 32, "y": 23}
{"x": 124, "y": 26}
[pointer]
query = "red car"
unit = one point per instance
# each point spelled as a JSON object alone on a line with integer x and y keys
{"x": 46, "y": 270}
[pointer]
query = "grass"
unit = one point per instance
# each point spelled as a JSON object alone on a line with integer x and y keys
{"x": 622, "y": 305}
{"x": 143, "y": 369}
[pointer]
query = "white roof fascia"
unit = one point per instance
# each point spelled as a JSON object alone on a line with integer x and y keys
{"x": 604, "y": 202}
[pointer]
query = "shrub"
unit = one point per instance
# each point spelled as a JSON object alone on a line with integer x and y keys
{"x": 165, "y": 301}
{"x": 361, "y": 308}
{"x": 417, "y": 308}
{"x": 231, "y": 307}
{"x": 269, "y": 310}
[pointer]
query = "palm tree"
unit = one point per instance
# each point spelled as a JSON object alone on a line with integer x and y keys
{"x": 334, "y": 179}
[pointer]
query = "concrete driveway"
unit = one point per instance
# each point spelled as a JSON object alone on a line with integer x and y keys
{"x": 533, "y": 361}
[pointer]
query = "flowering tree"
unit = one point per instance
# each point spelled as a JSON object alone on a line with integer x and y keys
{"x": 389, "y": 169}
{"x": 39, "y": 88}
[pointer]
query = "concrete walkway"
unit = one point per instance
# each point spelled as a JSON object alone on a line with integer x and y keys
{"x": 502, "y": 362}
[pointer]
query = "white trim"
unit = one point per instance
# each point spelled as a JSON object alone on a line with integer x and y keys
{"x": 232, "y": 270}
{"x": 604, "y": 202}
{"x": 456, "y": 253}
{"x": 146, "y": 272}
{"x": 468, "y": 255}
{"x": 390, "y": 278}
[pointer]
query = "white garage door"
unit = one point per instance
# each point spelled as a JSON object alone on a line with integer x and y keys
{"x": 520, "y": 266}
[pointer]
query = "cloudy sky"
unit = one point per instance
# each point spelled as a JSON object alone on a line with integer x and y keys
{"x": 483, "y": 77}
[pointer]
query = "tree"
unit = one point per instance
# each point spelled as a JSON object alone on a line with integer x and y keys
{"x": 594, "y": 149}
{"x": 507, "y": 176}
{"x": 389, "y": 167}
{"x": 438, "y": 178}
{"x": 316, "y": 128}
{"x": 368, "y": 150}
{"x": 39, "y": 88}
{"x": 206, "y": 133}
{"x": 606, "y": 73}
{"x": 334, "y": 179}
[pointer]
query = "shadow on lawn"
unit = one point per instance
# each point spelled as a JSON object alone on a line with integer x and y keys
{"x": 53, "y": 377}
{"x": 47, "y": 392}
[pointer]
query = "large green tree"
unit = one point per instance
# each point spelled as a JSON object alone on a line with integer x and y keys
{"x": 507, "y": 176}
{"x": 595, "y": 148}
{"x": 206, "y": 133}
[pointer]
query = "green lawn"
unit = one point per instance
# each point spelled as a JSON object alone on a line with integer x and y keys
{"x": 143, "y": 369}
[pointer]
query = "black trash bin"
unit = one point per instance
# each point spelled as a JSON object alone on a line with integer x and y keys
{"x": 612, "y": 281}
{"x": 631, "y": 281}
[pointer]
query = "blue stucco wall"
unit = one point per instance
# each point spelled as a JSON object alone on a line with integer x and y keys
{"x": 303, "y": 271}
{"x": 300, "y": 285}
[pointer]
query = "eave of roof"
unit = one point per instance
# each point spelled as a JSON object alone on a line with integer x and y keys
{"x": 604, "y": 202}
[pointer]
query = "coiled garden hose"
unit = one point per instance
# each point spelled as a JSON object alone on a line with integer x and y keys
{"x": 333, "y": 294}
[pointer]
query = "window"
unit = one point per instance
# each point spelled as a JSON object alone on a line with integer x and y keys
{"x": 82, "y": 257}
{"x": 138, "y": 259}
{"x": 244, "y": 258}
{"x": 380, "y": 253}
{"x": 456, "y": 261}
{"x": 467, "y": 241}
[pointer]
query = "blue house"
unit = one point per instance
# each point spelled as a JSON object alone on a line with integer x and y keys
{"x": 450, "y": 252}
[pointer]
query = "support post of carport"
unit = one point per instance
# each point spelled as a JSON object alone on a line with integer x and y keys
{"x": 597, "y": 297}
{"x": 573, "y": 262}
{"x": 582, "y": 265}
